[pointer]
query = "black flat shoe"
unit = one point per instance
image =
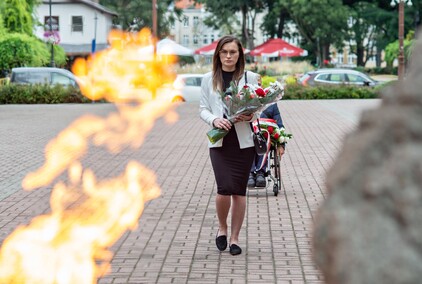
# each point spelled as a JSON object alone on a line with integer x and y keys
{"x": 221, "y": 242}
{"x": 235, "y": 249}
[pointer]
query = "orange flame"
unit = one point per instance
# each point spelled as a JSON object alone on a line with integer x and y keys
{"x": 88, "y": 216}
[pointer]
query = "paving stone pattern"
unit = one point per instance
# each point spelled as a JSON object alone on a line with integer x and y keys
{"x": 174, "y": 242}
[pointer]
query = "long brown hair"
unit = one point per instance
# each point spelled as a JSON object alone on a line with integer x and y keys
{"x": 217, "y": 67}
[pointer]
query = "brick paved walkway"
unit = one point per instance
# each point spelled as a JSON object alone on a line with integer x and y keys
{"x": 174, "y": 242}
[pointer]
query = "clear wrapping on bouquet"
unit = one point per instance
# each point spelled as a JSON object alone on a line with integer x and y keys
{"x": 245, "y": 100}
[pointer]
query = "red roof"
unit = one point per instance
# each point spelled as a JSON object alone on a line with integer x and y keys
{"x": 277, "y": 47}
{"x": 185, "y": 4}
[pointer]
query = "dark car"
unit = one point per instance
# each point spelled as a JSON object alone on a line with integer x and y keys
{"x": 332, "y": 76}
{"x": 43, "y": 75}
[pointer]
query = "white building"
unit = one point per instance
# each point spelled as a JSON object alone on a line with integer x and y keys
{"x": 75, "y": 25}
{"x": 191, "y": 31}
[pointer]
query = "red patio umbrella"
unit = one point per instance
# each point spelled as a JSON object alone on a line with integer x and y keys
{"x": 277, "y": 47}
{"x": 207, "y": 49}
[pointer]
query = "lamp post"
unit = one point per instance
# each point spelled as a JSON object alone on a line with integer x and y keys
{"x": 94, "y": 40}
{"x": 50, "y": 20}
{"x": 154, "y": 18}
{"x": 154, "y": 25}
{"x": 401, "y": 36}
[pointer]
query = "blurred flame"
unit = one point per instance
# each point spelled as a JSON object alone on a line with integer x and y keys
{"x": 69, "y": 245}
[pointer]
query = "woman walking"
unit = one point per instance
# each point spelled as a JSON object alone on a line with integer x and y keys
{"x": 232, "y": 156}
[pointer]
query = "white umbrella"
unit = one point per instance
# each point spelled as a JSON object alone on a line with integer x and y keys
{"x": 166, "y": 47}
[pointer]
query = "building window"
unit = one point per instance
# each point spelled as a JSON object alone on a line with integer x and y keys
{"x": 195, "y": 21}
{"x": 205, "y": 40}
{"x": 340, "y": 58}
{"x": 55, "y": 26}
{"x": 351, "y": 59}
{"x": 373, "y": 58}
{"x": 77, "y": 24}
{"x": 186, "y": 22}
{"x": 195, "y": 40}
{"x": 212, "y": 38}
{"x": 185, "y": 40}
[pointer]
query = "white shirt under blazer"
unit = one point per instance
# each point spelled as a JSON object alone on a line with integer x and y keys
{"x": 211, "y": 107}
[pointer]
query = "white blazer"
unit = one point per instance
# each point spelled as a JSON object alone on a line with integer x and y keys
{"x": 211, "y": 107}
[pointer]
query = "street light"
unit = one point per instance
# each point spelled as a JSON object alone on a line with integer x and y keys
{"x": 154, "y": 24}
{"x": 401, "y": 35}
{"x": 154, "y": 18}
{"x": 52, "y": 63}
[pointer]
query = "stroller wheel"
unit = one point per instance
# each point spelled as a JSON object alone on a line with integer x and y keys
{"x": 275, "y": 189}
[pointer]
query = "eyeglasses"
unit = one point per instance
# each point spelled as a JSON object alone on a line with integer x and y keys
{"x": 231, "y": 52}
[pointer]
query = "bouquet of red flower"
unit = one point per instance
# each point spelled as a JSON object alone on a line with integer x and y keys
{"x": 269, "y": 128}
{"x": 246, "y": 100}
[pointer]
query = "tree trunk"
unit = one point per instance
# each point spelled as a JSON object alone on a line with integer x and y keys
{"x": 281, "y": 21}
{"x": 359, "y": 53}
{"x": 325, "y": 54}
{"x": 245, "y": 36}
{"x": 251, "y": 42}
{"x": 378, "y": 58}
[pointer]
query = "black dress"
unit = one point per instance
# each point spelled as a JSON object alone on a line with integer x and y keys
{"x": 231, "y": 164}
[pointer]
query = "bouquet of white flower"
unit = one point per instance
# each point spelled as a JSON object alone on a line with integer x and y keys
{"x": 246, "y": 100}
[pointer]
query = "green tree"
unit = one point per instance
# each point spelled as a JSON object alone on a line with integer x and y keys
{"x": 1, "y": 18}
{"x": 17, "y": 16}
{"x": 363, "y": 31}
{"x": 2, "y": 30}
{"x": 224, "y": 20}
{"x": 321, "y": 23}
{"x": 17, "y": 50}
{"x": 137, "y": 14}
{"x": 276, "y": 18}
{"x": 375, "y": 25}
{"x": 223, "y": 15}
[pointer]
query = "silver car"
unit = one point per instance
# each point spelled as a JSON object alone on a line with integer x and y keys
{"x": 43, "y": 75}
{"x": 336, "y": 76}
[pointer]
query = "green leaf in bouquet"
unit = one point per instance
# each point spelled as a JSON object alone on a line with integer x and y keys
{"x": 216, "y": 134}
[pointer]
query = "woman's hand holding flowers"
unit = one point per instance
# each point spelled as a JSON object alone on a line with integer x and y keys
{"x": 243, "y": 117}
{"x": 222, "y": 123}
{"x": 239, "y": 104}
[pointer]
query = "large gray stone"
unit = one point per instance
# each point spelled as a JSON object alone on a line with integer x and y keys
{"x": 369, "y": 229}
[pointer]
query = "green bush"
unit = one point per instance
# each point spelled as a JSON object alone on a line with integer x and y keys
{"x": 185, "y": 60}
{"x": 298, "y": 92}
{"x": 381, "y": 70}
{"x": 266, "y": 80}
{"x": 40, "y": 94}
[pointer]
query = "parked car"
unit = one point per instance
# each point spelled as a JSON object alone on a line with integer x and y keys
{"x": 188, "y": 87}
{"x": 336, "y": 76}
{"x": 43, "y": 75}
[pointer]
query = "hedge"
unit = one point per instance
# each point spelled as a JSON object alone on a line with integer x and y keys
{"x": 40, "y": 94}
{"x": 298, "y": 92}
{"x": 45, "y": 94}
